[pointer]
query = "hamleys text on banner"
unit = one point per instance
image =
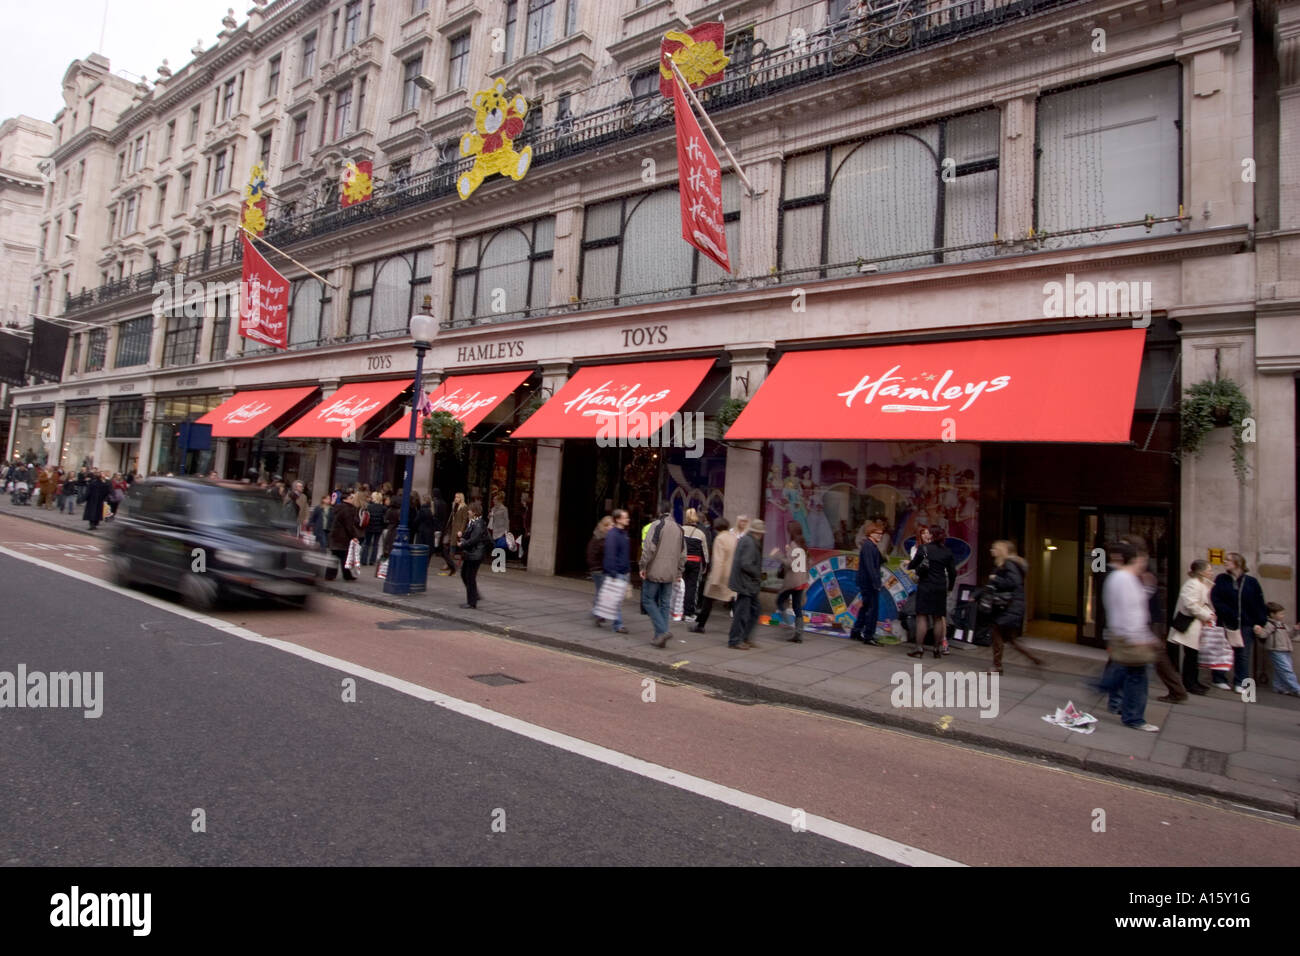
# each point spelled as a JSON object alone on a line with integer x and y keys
{"x": 263, "y": 301}
{"x": 700, "y": 183}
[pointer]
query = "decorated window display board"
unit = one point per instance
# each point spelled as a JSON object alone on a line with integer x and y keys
{"x": 830, "y": 489}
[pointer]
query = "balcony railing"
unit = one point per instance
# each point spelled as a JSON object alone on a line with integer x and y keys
{"x": 886, "y": 30}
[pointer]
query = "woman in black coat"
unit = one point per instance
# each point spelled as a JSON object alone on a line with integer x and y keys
{"x": 97, "y": 491}
{"x": 474, "y": 545}
{"x": 1239, "y": 605}
{"x": 1008, "y": 580}
{"x": 936, "y": 574}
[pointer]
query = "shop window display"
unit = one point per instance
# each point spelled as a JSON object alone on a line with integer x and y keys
{"x": 832, "y": 488}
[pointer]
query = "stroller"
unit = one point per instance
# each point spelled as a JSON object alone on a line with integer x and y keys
{"x": 21, "y": 495}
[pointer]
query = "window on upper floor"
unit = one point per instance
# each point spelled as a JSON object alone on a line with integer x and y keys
{"x": 418, "y": 5}
{"x": 1110, "y": 152}
{"x": 181, "y": 339}
{"x": 264, "y": 151}
{"x": 193, "y": 133}
{"x": 624, "y": 257}
{"x": 506, "y": 272}
{"x": 308, "y": 300}
{"x": 219, "y": 173}
{"x": 541, "y": 24}
{"x": 74, "y": 360}
{"x": 645, "y": 82}
{"x": 228, "y": 99}
{"x": 512, "y": 22}
{"x": 187, "y": 179}
{"x": 161, "y": 209}
{"x": 96, "y": 349}
{"x": 385, "y": 292}
{"x": 273, "y": 77}
{"x": 400, "y": 173}
{"x": 308, "y": 56}
{"x": 169, "y": 139}
{"x": 297, "y": 148}
{"x": 137, "y": 154}
{"x": 343, "y": 113}
{"x": 134, "y": 337}
{"x": 896, "y": 197}
{"x": 121, "y": 167}
{"x": 570, "y": 17}
{"x": 410, "y": 91}
{"x": 81, "y": 175}
{"x": 458, "y": 64}
{"x": 352, "y": 24}
{"x": 130, "y": 221}
{"x": 112, "y": 223}
{"x": 45, "y": 239}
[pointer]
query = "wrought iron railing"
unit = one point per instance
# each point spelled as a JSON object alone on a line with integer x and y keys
{"x": 885, "y": 30}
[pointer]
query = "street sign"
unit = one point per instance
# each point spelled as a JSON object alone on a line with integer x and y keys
{"x": 406, "y": 448}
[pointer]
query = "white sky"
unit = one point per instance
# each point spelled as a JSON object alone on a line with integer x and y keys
{"x": 137, "y": 35}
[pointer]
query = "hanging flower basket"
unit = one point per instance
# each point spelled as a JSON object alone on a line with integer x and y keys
{"x": 728, "y": 412}
{"x": 1215, "y": 403}
{"x": 442, "y": 428}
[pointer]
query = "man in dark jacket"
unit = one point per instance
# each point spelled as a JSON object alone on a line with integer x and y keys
{"x": 869, "y": 560}
{"x": 474, "y": 545}
{"x": 441, "y": 511}
{"x": 747, "y": 581}
{"x": 345, "y": 529}
{"x": 617, "y": 560}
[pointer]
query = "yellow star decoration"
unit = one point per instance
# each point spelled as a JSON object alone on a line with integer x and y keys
{"x": 697, "y": 61}
{"x": 356, "y": 184}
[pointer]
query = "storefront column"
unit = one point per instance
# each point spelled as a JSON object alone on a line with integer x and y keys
{"x": 148, "y": 414}
{"x": 13, "y": 434}
{"x": 547, "y": 472}
{"x": 55, "y": 449}
{"x": 156, "y": 343}
{"x": 221, "y": 446}
{"x": 206, "y": 331}
{"x": 440, "y": 283}
{"x": 320, "y": 480}
{"x": 743, "y": 490}
{"x": 110, "y": 355}
{"x": 422, "y": 478}
{"x": 336, "y": 321}
{"x": 101, "y": 429}
{"x": 1016, "y": 160}
{"x": 1275, "y": 459}
{"x": 568, "y": 244}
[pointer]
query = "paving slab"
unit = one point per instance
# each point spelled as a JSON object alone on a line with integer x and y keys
{"x": 1222, "y": 735}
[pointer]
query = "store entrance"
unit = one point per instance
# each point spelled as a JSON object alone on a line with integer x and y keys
{"x": 1065, "y": 547}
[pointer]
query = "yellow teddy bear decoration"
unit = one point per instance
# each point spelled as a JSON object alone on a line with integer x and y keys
{"x": 497, "y": 121}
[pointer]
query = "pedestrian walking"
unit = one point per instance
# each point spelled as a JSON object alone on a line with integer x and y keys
{"x": 456, "y": 528}
{"x": 97, "y": 491}
{"x": 1129, "y": 639}
{"x": 422, "y": 523}
{"x": 697, "y": 563}
{"x": 747, "y": 581}
{"x": 116, "y": 494}
{"x": 1239, "y": 605}
{"x": 616, "y": 565}
{"x": 1008, "y": 580}
{"x": 441, "y": 512}
{"x": 869, "y": 562}
{"x": 345, "y": 529}
{"x": 375, "y": 512}
{"x": 474, "y": 547}
{"x": 318, "y": 522}
{"x": 663, "y": 561}
{"x": 498, "y": 521}
{"x": 392, "y": 519}
{"x": 715, "y": 584}
{"x": 1191, "y": 613}
{"x": 596, "y": 557}
{"x": 1275, "y": 638}
{"x": 68, "y": 498}
{"x": 936, "y": 574}
{"x": 1166, "y": 657}
{"x": 794, "y": 578}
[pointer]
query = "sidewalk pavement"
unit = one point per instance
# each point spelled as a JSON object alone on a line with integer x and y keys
{"x": 1216, "y": 745}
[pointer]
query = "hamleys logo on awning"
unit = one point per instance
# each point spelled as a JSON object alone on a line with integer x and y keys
{"x": 246, "y": 413}
{"x": 924, "y": 387}
{"x": 346, "y": 410}
{"x": 600, "y": 401}
{"x": 465, "y": 407}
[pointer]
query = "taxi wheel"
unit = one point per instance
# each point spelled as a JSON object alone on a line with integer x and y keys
{"x": 120, "y": 571}
{"x": 200, "y": 591}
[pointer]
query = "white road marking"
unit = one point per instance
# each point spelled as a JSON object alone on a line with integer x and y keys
{"x": 822, "y": 826}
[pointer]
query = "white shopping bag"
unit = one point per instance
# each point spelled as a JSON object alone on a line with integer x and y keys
{"x": 354, "y": 556}
{"x": 679, "y": 598}
{"x": 1216, "y": 652}
{"x": 609, "y": 601}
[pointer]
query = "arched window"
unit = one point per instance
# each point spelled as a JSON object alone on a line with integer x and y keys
{"x": 507, "y": 272}
{"x": 385, "y": 292}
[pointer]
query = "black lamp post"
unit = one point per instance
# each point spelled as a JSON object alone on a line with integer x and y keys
{"x": 399, "y": 558}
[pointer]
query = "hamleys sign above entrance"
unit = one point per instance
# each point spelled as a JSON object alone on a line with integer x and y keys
{"x": 1074, "y": 387}
{"x": 580, "y": 408}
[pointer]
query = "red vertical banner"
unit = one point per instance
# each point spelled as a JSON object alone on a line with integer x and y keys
{"x": 700, "y": 182}
{"x": 263, "y": 301}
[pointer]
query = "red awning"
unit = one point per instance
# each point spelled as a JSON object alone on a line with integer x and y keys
{"x": 245, "y": 414}
{"x": 645, "y": 391}
{"x": 346, "y": 410}
{"x": 1075, "y": 387}
{"x": 469, "y": 398}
